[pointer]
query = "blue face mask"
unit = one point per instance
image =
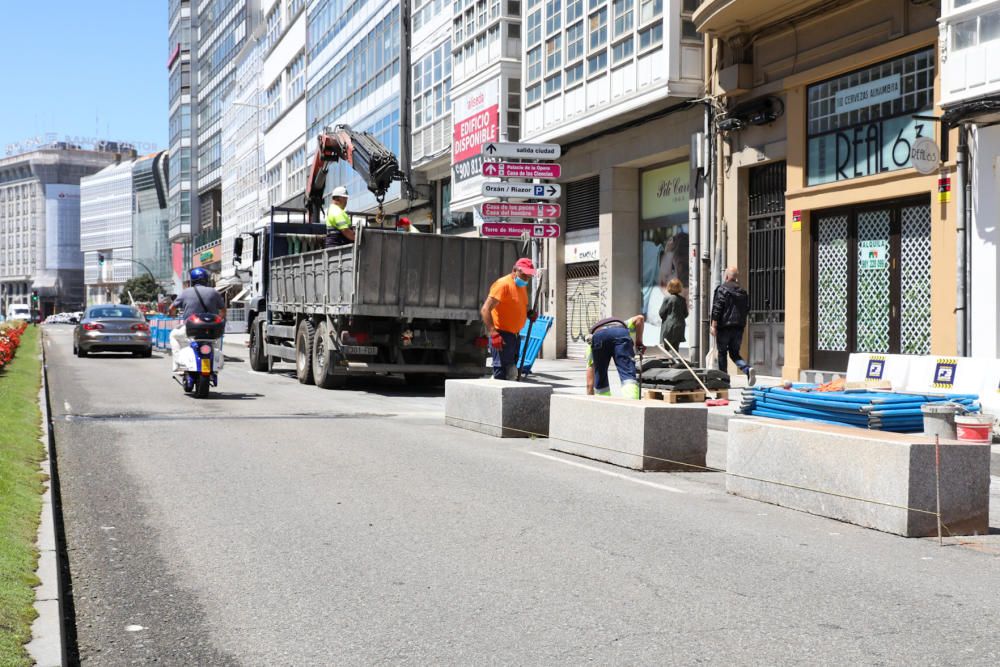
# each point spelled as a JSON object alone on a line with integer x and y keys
{"x": 520, "y": 283}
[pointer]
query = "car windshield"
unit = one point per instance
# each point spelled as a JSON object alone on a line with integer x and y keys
{"x": 113, "y": 311}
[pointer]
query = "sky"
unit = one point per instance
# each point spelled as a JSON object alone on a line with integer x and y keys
{"x": 81, "y": 68}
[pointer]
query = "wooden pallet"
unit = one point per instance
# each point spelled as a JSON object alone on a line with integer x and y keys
{"x": 682, "y": 396}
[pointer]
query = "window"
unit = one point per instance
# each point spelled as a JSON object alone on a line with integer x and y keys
{"x": 622, "y": 50}
{"x": 649, "y": 9}
{"x": 535, "y": 63}
{"x": 272, "y": 101}
{"x": 688, "y": 30}
{"x": 295, "y": 170}
{"x": 975, "y": 31}
{"x": 295, "y": 76}
{"x": 293, "y": 7}
{"x": 553, "y": 53}
{"x": 514, "y": 8}
{"x": 598, "y": 28}
{"x": 574, "y": 74}
{"x": 623, "y": 16}
{"x": 494, "y": 9}
{"x": 534, "y": 28}
{"x": 574, "y": 41}
{"x": 273, "y": 21}
{"x": 574, "y": 10}
{"x": 273, "y": 181}
{"x": 431, "y": 85}
{"x": 553, "y": 84}
{"x": 480, "y": 14}
{"x": 553, "y": 16}
{"x": 651, "y": 36}
{"x": 458, "y": 29}
{"x": 534, "y": 93}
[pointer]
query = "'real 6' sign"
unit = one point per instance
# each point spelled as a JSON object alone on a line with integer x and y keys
{"x": 477, "y": 122}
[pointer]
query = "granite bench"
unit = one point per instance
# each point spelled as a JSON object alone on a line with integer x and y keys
{"x": 499, "y": 408}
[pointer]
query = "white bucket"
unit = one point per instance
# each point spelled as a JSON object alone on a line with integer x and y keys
{"x": 974, "y": 428}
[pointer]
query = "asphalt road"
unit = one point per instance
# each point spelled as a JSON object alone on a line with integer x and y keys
{"x": 280, "y": 524}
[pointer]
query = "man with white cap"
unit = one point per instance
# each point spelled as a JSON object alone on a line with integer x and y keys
{"x": 338, "y": 223}
{"x": 504, "y": 313}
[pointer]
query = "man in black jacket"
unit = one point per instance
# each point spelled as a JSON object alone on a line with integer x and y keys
{"x": 730, "y": 305}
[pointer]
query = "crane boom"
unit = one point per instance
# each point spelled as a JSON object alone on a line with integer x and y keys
{"x": 376, "y": 164}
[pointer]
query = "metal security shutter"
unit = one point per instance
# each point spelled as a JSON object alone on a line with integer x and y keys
{"x": 582, "y": 204}
{"x": 583, "y": 306}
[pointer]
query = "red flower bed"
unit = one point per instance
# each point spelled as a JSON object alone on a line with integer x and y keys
{"x": 10, "y": 338}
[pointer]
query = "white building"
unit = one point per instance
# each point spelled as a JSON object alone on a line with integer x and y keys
{"x": 612, "y": 82}
{"x": 106, "y": 204}
{"x": 970, "y": 95}
{"x": 243, "y": 196}
{"x": 283, "y": 96}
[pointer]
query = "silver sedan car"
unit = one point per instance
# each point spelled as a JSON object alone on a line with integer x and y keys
{"x": 112, "y": 328}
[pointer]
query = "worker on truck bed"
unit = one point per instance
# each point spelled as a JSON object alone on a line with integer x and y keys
{"x": 338, "y": 223}
{"x": 611, "y": 338}
{"x": 504, "y": 313}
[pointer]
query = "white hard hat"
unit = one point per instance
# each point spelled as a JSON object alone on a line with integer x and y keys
{"x": 339, "y": 191}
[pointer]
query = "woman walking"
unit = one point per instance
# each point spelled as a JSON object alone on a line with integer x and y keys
{"x": 673, "y": 315}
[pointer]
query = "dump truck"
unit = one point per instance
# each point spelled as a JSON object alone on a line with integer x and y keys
{"x": 390, "y": 302}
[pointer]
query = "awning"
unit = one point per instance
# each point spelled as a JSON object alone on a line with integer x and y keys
{"x": 226, "y": 284}
{"x": 45, "y": 284}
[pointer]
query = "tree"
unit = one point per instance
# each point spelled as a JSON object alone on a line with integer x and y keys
{"x": 142, "y": 288}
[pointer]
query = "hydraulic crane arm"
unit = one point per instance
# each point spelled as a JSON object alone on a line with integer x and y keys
{"x": 374, "y": 162}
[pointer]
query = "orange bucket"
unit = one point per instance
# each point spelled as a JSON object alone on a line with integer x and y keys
{"x": 974, "y": 428}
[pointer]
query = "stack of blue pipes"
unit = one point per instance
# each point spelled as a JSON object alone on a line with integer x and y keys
{"x": 876, "y": 410}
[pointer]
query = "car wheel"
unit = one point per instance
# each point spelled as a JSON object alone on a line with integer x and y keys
{"x": 322, "y": 358}
{"x": 147, "y": 353}
{"x": 80, "y": 352}
{"x": 303, "y": 352}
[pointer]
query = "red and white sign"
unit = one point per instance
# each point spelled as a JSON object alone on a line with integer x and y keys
{"x": 540, "y": 231}
{"x": 504, "y": 210}
{"x": 522, "y": 169}
{"x": 477, "y": 122}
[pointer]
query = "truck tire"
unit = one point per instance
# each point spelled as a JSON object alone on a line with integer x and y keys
{"x": 323, "y": 371}
{"x": 258, "y": 347}
{"x": 303, "y": 351}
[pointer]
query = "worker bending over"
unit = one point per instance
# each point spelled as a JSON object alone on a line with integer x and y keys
{"x": 338, "y": 223}
{"x": 611, "y": 338}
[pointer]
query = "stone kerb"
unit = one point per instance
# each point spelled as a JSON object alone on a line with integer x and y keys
{"x": 642, "y": 435}
{"x": 497, "y": 407}
{"x": 884, "y": 481}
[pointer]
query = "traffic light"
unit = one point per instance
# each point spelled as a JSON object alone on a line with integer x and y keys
{"x": 34, "y": 299}
{"x": 100, "y": 259}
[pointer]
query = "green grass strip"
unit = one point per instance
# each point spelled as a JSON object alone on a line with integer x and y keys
{"x": 20, "y": 496}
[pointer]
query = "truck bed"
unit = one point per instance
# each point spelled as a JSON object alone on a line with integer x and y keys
{"x": 390, "y": 274}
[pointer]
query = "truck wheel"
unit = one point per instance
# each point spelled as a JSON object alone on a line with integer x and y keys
{"x": 303, "y": 351}
{"x": 258, "y": 354}
{"x": 323, "y": 372}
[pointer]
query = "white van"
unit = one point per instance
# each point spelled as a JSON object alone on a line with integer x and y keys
{"x": 19, "y": 311}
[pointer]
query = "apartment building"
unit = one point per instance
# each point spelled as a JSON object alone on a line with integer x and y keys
{"x": 182, "y": 209}
{"x": 843, "y": 244}
{"x": 970, "y": 98}
{"x": 613, "y": 83}
{"x": 150, "y": 222}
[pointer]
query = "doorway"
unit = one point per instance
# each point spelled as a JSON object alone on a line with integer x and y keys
{"x": 766, "y": 270}
{"x": 871, "y": 281}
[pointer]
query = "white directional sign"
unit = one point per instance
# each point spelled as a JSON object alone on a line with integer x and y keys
{"x": 536, "y": 231}
{"x": 522, "y": 190}
{"x": 522, "y": 169}
{"x": 508, "y": 210}
{"x": 522, "y": 151}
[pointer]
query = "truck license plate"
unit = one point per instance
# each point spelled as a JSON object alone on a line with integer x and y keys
{"x": 368, "y": 350}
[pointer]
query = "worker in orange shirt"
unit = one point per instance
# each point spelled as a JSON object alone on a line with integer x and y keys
{"x": 504, "y": 313}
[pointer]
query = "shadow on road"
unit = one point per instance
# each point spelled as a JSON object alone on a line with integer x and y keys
{"x": 231, "y": 396}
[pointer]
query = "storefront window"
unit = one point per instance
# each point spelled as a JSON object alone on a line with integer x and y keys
{"x": 862, "y": 124}
{"x": 665, "y": 193}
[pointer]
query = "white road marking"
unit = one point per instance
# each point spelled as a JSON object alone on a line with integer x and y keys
{"x": 133, "y": 628}
{"x": 67, "y": 406}
{"x": 662, "y": 487}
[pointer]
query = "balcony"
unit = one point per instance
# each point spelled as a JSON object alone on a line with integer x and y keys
{"x": 206, "y": 238}
{"x": 971, "y": 42}
{"x": 723, "y": 18}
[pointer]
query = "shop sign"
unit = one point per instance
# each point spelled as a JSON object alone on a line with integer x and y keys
{"x": 873, "y": 254}
{"x": 209, "y": 256}
{"x": 868, "y": 94}
{"x": 925, "y": 156}
{"x": 665, "y": 192}
{"x": 864, "y": 150}
{"x": 585, "y": 251}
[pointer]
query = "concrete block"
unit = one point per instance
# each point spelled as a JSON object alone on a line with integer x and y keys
{"x": 884, "y": 481}
{"x": 642, "y": 435}
{"x": 497, "y": 407}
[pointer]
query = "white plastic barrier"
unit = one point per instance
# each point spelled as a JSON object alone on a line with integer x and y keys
{"x": 946, "y": 375}
{"x": 873, "y": 369}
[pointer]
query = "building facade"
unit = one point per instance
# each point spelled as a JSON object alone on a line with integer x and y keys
{"x": 970, "y": 97}
{"x": 106, "y": 202}
{"x": 613, "y": 83}
{"x": 844, "y": 246}
{"x": 182, "y": 211}
{"x": 40, "y": 226}
{"x": 151, "y": 248}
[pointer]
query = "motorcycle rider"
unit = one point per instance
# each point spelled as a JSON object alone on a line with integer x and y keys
{"x": 200, "y": 297}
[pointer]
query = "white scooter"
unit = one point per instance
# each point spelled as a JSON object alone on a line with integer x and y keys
{"x": 198, "y": 363}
